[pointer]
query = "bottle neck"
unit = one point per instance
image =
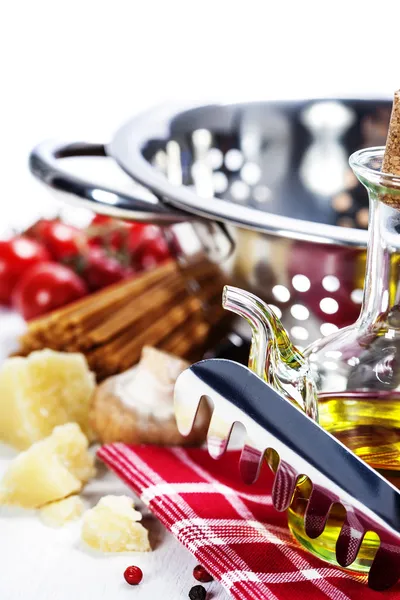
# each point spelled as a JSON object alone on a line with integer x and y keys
{"x": 381, "y": 302}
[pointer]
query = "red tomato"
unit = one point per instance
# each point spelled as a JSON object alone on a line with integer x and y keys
{"x": 114, "y": 233}
{"x": 16, "y": 257}
{"x": 61, "y": 240}
{"x": 100, "y": 228}
{"x": 101, "y": 270}
{"x": 45, "y": 287}
{"x": 136, "y": 233}
{"x": 101, "y": 220}
{"x": 105, "y": 220}
{"x": 151, "y": 249}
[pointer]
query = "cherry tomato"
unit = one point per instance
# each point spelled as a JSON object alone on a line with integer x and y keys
{"x": 101, "y": 220}
{"x": 46, "y": 286}
{"x": 151, "y": 249}
{"x": 115, "y": 234}
{"x": 105, "y": 220}
{"x": 16, "y": 257}
{"x": 61, "y": 240}
{"x": 101, "y": 270}
{"x": 101, "y": 230}
{"x": 136, "y": 233}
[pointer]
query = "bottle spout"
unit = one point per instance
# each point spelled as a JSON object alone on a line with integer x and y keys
{"x": 273, "y": 357}
{"x": 247, "y": 306}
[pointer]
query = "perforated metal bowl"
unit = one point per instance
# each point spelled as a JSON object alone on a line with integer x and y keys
{"x": 275, "y": 173}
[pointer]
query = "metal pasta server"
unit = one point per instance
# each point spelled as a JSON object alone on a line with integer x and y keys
{"x": 304, "y": 448}
{"x": 276, "y": 401}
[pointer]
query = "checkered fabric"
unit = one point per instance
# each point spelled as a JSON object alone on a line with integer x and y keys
{"x": 231, "y": 527}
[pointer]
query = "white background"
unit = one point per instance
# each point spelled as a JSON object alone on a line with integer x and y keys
{"x": 77, "y": 69}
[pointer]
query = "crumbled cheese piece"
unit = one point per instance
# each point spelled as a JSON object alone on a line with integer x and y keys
{"x": 112, "y": 526}
{"x": 156, "y": 373}
{"x": 49, "y": 470}
{"x": 41, "y": 391}
{"x": 60, "y": 512}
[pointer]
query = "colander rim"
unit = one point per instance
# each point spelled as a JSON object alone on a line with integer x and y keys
{"x": 125, "y": 147}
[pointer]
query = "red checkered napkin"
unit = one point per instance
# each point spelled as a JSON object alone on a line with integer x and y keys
{"x": 230, "y": 527}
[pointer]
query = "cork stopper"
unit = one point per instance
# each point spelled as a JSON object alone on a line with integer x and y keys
{"x": 391, "y": 158}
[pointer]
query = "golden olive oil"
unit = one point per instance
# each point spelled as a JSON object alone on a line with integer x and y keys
{"x": 324, "y": 545}
{"x": 369, "y": 424}
{"x": 366, "y": 422}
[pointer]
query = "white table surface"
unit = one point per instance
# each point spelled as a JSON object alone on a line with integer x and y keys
{"x": 44, "y": 563}
{"x": 38, "y": 562}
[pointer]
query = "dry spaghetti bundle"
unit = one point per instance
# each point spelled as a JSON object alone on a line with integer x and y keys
{"x": 156, "y": 309}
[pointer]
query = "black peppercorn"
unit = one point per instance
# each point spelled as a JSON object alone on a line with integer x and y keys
{"x": 198, "y": 592}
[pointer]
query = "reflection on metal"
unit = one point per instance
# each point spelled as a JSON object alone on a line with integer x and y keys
{"x": 201, "y": 171}
{"x": 325, "y": 164}
{"x": 174, "y": 169}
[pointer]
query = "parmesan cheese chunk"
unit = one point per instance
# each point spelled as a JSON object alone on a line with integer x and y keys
{"x": 60, "y": 512}
{"x": 42, "y": 391}
{"x": 112, "y": 526}
{"x": 49, "y": 470}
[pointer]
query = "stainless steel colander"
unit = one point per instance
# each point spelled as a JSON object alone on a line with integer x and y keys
{"x": 274, "y": 175}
